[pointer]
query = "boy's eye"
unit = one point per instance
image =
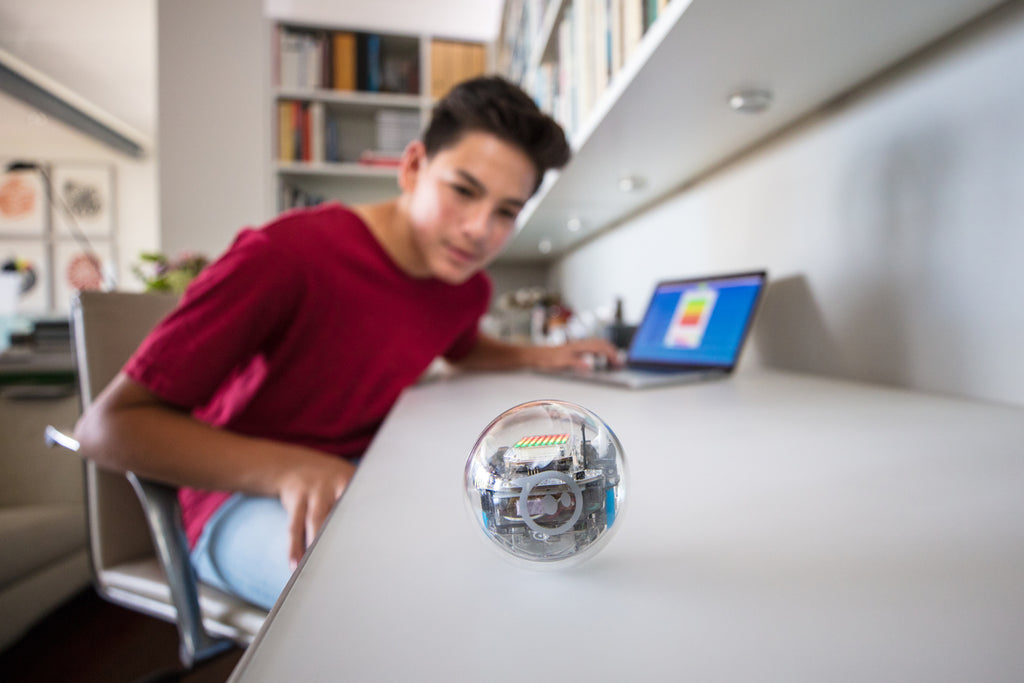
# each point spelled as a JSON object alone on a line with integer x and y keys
{"x": 463, "y": 190}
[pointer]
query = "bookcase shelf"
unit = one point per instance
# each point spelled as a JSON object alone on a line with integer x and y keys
{"x": 347, "y": 100}
{"x": 334, "y": 169}
{"x": 660, "y": 118}
{"x": 373, "y": 100}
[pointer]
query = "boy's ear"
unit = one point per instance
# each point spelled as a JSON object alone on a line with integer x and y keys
{"x": 413, "y": 159}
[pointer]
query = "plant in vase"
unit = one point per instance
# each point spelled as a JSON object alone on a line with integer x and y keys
{"x": 160, "y": 273}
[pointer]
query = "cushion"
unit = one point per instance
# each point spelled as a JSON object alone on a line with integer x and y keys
{"x": 36, "y": 536}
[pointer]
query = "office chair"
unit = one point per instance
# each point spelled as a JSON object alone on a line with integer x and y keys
{"x": 139, "y": 555}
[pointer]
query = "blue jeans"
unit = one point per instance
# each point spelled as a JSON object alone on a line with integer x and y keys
{"x": 243, "y": 549}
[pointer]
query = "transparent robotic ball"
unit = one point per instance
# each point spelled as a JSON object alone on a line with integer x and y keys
{"x": 546, "y": 481}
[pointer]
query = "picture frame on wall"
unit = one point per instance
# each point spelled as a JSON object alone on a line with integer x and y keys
{"x": 58, "y": 224}
{"x": 23, "y": 202}
{"x": 86, "y": 192}
{"x": 75, "y": 269}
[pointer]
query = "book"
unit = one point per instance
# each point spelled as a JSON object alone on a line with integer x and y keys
{"x": 332, "y": 139}
{"x": 344, "y": 60}
{"x": 583, "y": 43}
{"x": 302, "y": 58}
{"x": 441, "y": 68}
{"x": 294, "y": 197}
{"x": 290, "y": 55}
{"x": 650, "y": 13}
{"x": 600, "y": 55}
{"x": 632, "y": 26}
{"x": 372, "y": 157}
{"x": 371, "y": 62}
{"x": 566, "y": 106}
{"x": 452, "y": 62}
{"x": 396, "y": 129}
{"x": 302, "y": 131}
{"x": 316, "y": 132}
{"x": 285, "y": 125}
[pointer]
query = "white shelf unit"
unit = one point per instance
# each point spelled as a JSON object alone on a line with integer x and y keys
{"x": 354, "y": 112}
{"x": 664, "y": 121}
{"x": 347, "y": 179}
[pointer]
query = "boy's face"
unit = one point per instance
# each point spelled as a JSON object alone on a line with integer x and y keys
{"x": 463, "y": 203}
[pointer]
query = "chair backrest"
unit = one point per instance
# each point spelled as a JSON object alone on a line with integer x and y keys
{"x": 107, "y": 328}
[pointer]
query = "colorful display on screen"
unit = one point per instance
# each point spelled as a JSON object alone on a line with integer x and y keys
{"x": 543, "y": 440}
{"x": 697, "y": 323}
{"x": 690, "y": 320}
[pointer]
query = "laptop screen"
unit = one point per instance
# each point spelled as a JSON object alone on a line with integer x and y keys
{"x": 700, "y": 321}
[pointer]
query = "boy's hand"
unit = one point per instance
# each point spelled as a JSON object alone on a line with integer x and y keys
{"x": 583, "y": 354}
{"x": 307, "y": 492}
{"x": 491, "y": 354}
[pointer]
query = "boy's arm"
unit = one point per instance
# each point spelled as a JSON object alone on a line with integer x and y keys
{"x": 129, "y": 428}
{"x": 492, "y": 354}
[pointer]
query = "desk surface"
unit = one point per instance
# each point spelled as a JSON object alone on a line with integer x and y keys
{"x": 779, "y": 527}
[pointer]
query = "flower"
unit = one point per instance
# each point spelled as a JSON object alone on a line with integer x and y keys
{"x": 162, "y": 274}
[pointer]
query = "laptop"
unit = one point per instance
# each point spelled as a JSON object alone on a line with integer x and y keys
{"x": 693, "y": 330}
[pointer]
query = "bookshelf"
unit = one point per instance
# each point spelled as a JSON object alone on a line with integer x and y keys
{"x": 348, "y": 100}
{"x": 655, "y": 116}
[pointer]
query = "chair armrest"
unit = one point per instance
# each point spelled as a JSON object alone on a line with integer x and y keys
{"x": 55, "y": 437}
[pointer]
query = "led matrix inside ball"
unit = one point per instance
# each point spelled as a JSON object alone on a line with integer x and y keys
{"x": 545, "y": 482}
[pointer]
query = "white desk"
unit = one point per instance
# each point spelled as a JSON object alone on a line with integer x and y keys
{"x": 779, "y": 528}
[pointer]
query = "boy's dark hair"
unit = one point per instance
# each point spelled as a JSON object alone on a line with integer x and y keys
{"x": 491, "y": 104}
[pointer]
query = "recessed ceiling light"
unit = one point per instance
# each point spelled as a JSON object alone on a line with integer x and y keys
{"x": 573, "y": 224}
{"x": 750, "y": 100}
{"x": 629, "y": 183}
{"x": 544, "y": 247}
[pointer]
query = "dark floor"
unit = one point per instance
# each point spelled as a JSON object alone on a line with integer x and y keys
{"x": 90, "y": 640}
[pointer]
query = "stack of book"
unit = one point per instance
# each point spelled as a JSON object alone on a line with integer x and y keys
{"x": 306, "y": 133}
{"x": 293, "y": 197}
{"x": 590, "y": 42}
{"x": 395, "y": 129}
{"x": 346, "y": 60}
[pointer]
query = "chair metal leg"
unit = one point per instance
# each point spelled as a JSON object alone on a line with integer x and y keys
{"x": 163, "y": 513}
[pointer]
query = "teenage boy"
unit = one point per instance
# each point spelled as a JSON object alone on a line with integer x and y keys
{"x": 261, "y": 391}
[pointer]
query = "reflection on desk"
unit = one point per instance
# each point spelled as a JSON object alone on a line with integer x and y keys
{"x": 780, "y": 527}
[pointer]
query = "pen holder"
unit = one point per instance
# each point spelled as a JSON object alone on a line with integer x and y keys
{"x": 546, "y": 482}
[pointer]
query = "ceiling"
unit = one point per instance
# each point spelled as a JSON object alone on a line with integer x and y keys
{"x": 103, "y": 50}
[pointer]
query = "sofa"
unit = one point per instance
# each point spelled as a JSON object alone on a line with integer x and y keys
{"x": 43, "y": 560}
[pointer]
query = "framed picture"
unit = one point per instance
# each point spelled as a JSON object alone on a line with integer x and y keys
{"x": 75, "y": 270}
{"x": 57, "y": 231}
{"x": 29, "y": 259}
{"x": 22, "y": 203}
{"x": 83, "y": 194}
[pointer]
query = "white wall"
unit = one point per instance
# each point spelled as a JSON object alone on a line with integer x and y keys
{"x": 894, "y": 226}
{"x": 213, "y": 111}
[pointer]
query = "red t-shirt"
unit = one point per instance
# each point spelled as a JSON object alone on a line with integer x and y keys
{"x": 304, "y": 331}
